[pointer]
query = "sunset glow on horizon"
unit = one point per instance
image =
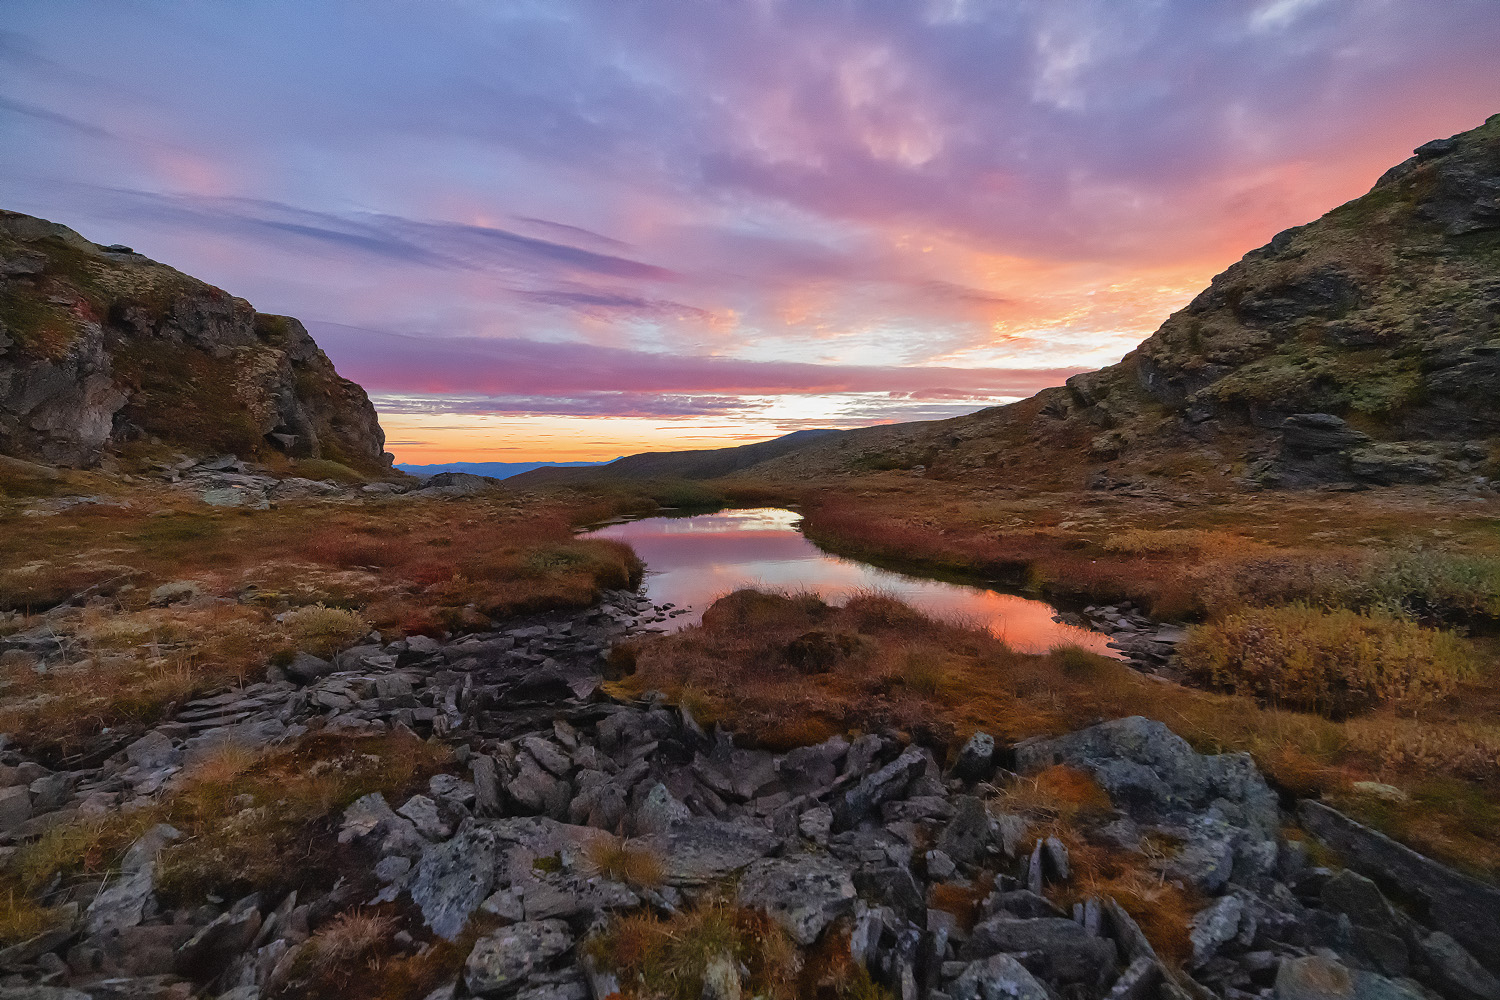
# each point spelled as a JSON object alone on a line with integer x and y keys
{"x": 577, "y": 230}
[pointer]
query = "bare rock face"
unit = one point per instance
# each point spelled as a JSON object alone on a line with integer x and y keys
{"x": 1386, "y": 311}
{"x": 100, "y": 346}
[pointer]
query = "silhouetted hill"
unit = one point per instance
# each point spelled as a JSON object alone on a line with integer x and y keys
{"x": 704, "y": 464}
{"x": 495, "y": 470}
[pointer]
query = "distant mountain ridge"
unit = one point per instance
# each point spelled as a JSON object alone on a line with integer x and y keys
{"x": 708, "y": 463}
{"x": 495, "y": 470}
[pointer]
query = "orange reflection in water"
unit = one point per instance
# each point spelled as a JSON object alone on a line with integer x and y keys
{"x": 692, "y": 561}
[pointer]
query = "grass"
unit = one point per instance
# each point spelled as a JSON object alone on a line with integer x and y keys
{"x": 21, "y": 918}
{"x": 636, "y": 865}
{"x": 323, "y": 631}
{"x": 242, "y": 816}
{"x": 668, "y": 957}
{"x": 734, "y": 668}
{"x": 403, "y": 567}
{"x": 1335, "y": 662}
{"x": 345, "y": 940}
{"x": 127, "y": 668}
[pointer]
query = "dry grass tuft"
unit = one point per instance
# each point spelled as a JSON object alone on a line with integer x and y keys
{"x": 348, "y": 938}
{"x": 22, "y": 918}
{"x": 636, "y": 865}
{"x": 656, "y": 957}
{"x": 1173, "y": 541}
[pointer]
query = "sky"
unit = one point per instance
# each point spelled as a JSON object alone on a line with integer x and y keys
{"x": 548, "y": 229}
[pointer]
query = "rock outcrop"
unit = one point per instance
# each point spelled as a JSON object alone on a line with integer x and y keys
{"x": 1361, "y": 349}
{"x": 100, "y": 346}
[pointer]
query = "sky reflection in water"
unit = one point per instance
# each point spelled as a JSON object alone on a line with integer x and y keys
{"x": 690, "y": 561}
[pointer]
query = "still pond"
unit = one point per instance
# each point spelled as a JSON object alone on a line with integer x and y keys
{"x": 691, "y": 561}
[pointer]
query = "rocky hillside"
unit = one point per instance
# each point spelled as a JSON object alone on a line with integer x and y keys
{"x": 101, "y": 347}
{"x": 1363, "y": 348}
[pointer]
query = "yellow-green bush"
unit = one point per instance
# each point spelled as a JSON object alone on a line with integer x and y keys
{"x": 1332, "y": 661}
{"x": 324, "y": 631}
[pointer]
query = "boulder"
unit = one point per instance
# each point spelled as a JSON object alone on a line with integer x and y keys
{"x": 152, "y": 751}
{"x": 505, "y": 961}
{"x": 1318, "y": 977}
{"x": 15, "y": 807}
{"x": 209, "y": 951}
{"x": 658, "y": 812}
{"x": 546, "y": 753}
{"x": 1454, "y": 971}
{"x": 804, "y": 893}
{"x": 721, "y": 978}
{"x": 702, "y": 849}
{"x": 306, "y": 668}
{"x": 1146, "y": 767}
{"x": 1055, "y": 948}
{"x": 453, "y": 878}
{"x": 459, "y": 484}
{"x": 370, "y": 816}
{"x": 176, "y": 592}
{"x": 533, "y": 788}
{"x": 1464, "y": 908}
{"x": 423, "y": 814}
{"x": 976, "y": 761}
{"x": 887, "y": 783}
{"x": 999, "y": 977}
{"x": 1214, "y": 926}
{"x": 1023, "y": 903}
{"x": 487, "y": 799}
{"x": 966, "y": 839}
{"x": 124, "y": 900}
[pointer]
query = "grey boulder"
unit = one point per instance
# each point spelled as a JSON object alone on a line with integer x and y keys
{"x": 453, "y": 878}
{"x": 999, "y": 977}
{"x": 803, "y": 893}
{"x": 506, "y": 960}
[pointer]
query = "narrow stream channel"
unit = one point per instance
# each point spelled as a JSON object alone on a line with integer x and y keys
{"x": 691, "y": 561}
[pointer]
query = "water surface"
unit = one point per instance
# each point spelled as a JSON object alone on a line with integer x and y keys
{"x": 691, "y": 561}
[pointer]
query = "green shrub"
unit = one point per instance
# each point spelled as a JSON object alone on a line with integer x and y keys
{"x": 322, "y": 630}
{"x": 1334, "y": 662}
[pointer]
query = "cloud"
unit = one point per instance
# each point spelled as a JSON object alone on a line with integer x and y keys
{"x": 713, "y": 202}
{"x": 588, "y": 404}
{"x": 391, "y": 363}
{"x": 55, "y": 118}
